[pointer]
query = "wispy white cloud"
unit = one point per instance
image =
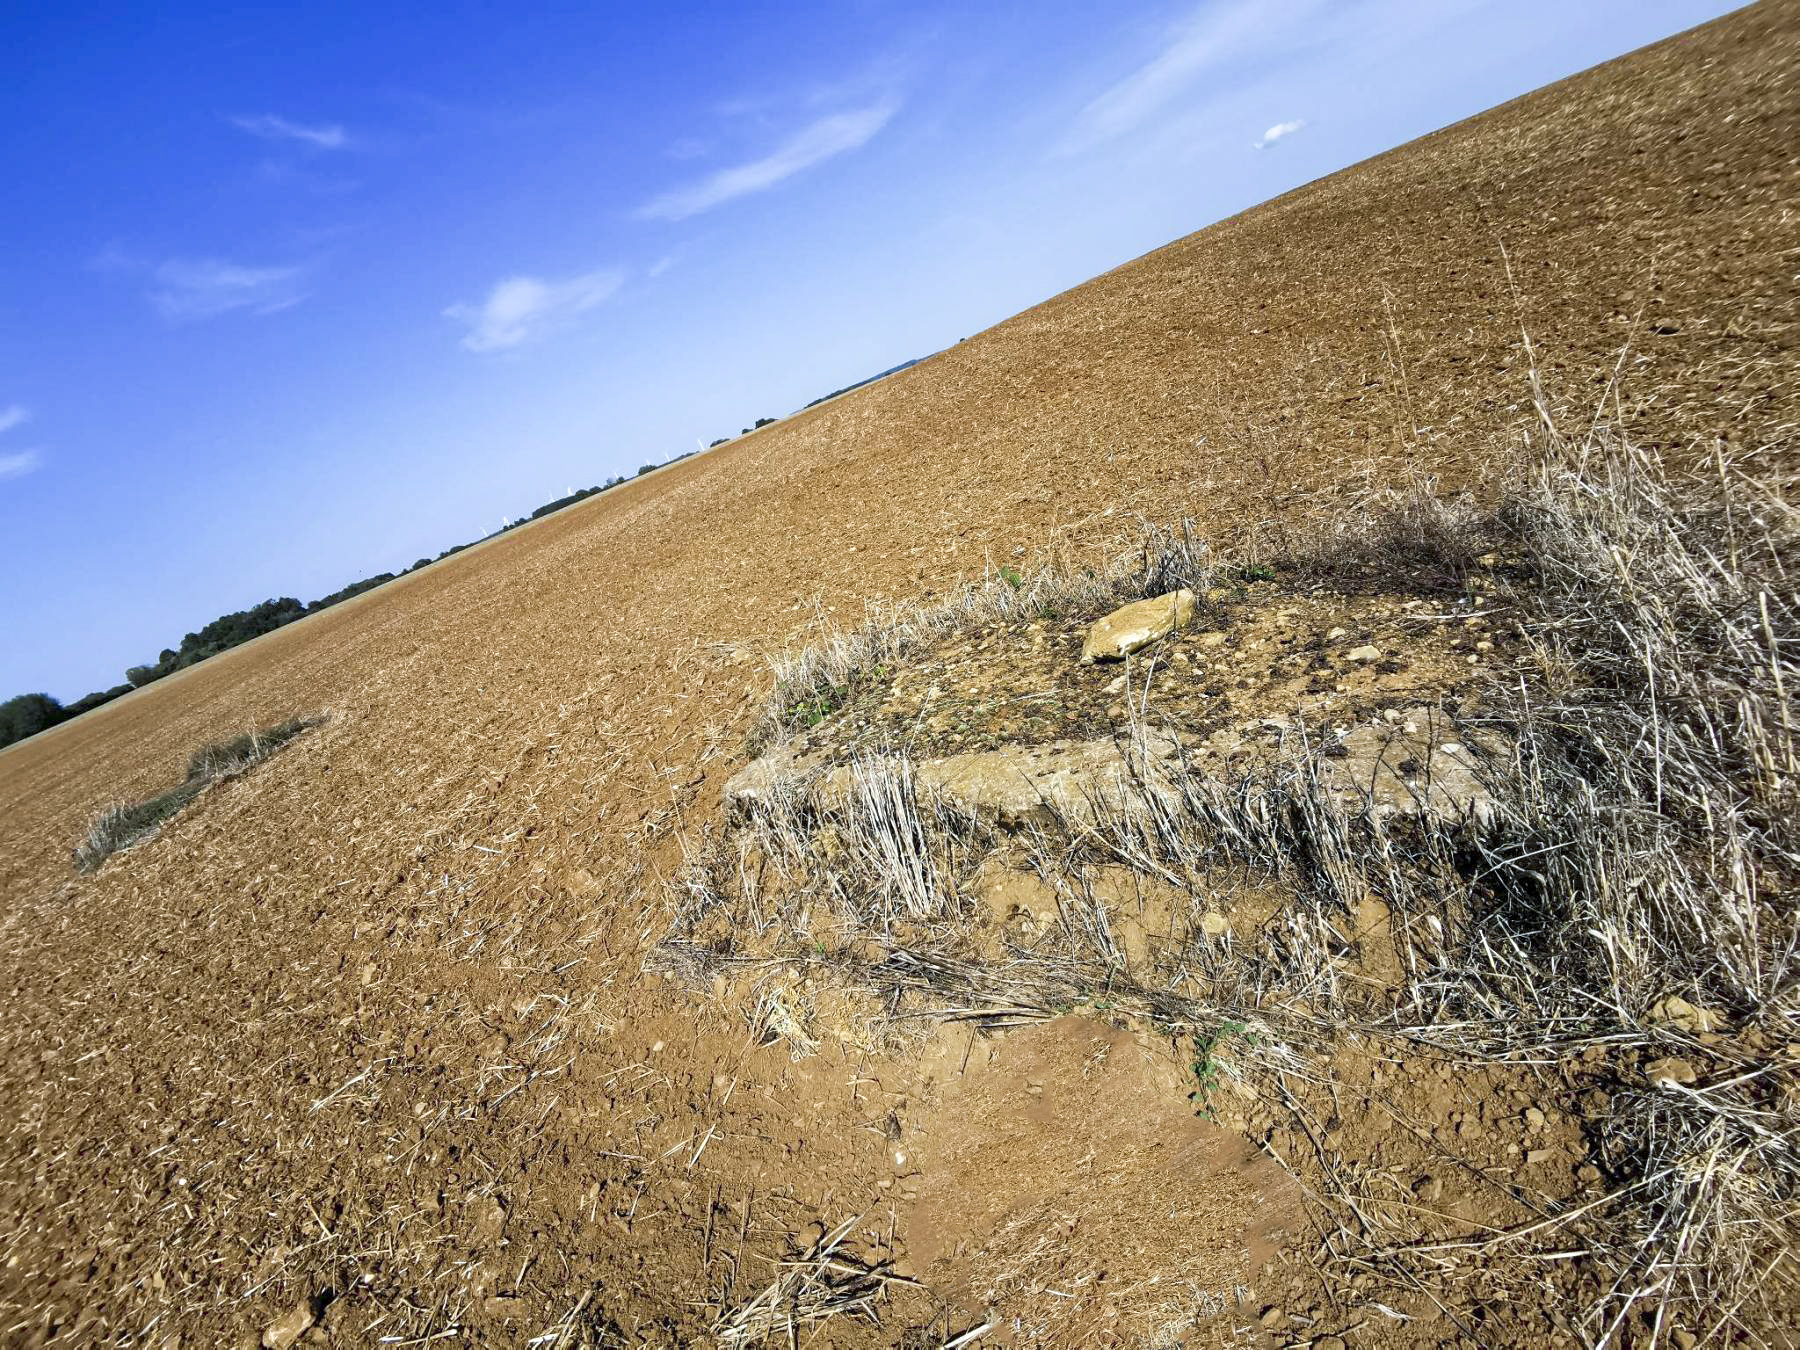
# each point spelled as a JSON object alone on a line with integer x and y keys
{"x": 1277, "y": 132}
{"x": 18, "y": 464}
{"x": 1211, "y": 37}
{"x": 187, "y": 289}
{"x": 324, "y": 136}
{"x": 525, "y": 309}
{"x": 12, "y": 416}
{"x": 829, "y": 136}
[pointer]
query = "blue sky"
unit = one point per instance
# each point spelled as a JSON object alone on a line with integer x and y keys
{"x": 291, "y": 298}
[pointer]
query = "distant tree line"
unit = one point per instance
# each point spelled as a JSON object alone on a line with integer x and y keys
{"x": 28, "y": 714}
{"x": 835, "y": 393}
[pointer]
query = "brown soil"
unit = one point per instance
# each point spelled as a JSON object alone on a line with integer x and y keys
{"x": 363, "y": 1037}
{"x": 1107, "y": 1212}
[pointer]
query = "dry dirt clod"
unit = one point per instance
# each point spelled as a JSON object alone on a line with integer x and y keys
{"x": 1679, "y": 1014}
{"x": 1367, "y": 652}
{"x": 1668, "y": 1072}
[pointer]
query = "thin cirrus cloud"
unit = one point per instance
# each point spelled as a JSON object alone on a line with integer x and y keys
{"x": 1210, "y": 37}
{"x": 1277, "y": 132}
{"x": 16, "y": 463}
{"x": 186, "y": 290}
{"x": 823, "y": 139}
{"x": 526, "y": 309}
{"x": 268, "y": 127}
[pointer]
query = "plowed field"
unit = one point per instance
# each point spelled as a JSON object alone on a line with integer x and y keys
{"x": 367, "y": 1028}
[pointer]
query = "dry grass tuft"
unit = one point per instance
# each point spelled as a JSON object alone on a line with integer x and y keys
{"x": 126, "y": 824}
{"x": 824, "y": 1281}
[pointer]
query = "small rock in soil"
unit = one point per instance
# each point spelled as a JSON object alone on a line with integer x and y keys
{"x": 1667, "y": 1072}
{"x": 284, "y": 1331}
{"x": 1137, "y": 625}
{"x": 1678, "y": 1013}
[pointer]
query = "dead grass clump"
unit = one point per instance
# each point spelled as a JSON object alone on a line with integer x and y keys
{"x": 1658, "y": 845}
{"x": 125, "y": 824}
{"x": 1412, "y": 528}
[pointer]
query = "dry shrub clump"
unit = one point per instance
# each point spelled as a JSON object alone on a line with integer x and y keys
{"x": 1644, "y": 890}
{"x": 1627, "y": 892}
{"x": 125, "y": 824}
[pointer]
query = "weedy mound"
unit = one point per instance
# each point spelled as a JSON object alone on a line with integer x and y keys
{"x": 1477, "y": 822}
{"x": 126, "y": 824}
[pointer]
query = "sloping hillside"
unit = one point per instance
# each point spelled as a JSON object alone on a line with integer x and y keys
{"x": 366, "y": 1031}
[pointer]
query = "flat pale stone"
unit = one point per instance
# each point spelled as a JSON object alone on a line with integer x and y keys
{"x": 758, "y": 781}
{"x": 1009, "y": 786}
{"x": 1030, "y": 783}
{"x": 1137, "y": 625}
{"x": 1411, "y": 770}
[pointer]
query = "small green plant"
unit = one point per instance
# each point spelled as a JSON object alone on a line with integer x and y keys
{"x": 1010, "y": 575}
{"x": 1205, "y": 1067}
{"x": 810, "y": 711}
{"x": 1257, "y": 572}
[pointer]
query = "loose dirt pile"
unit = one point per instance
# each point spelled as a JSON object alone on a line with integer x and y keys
{"x": 360, "y": 1045}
